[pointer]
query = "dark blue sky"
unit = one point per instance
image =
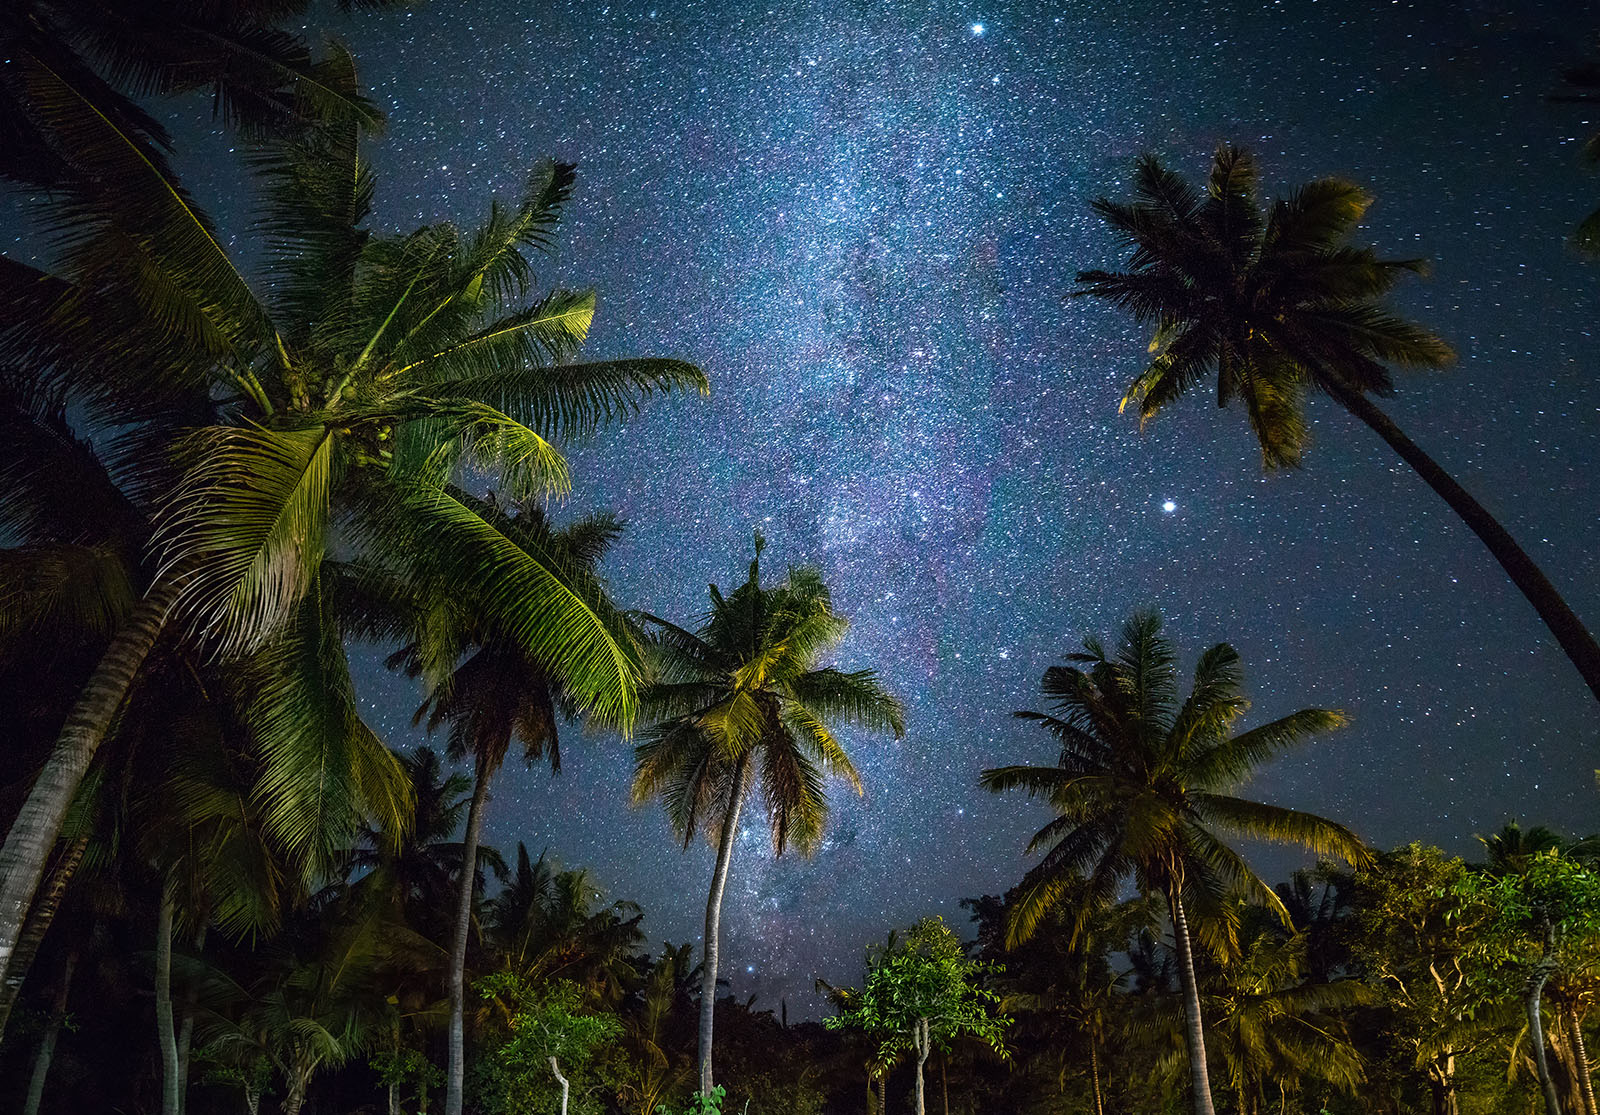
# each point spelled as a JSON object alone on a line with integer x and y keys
{"x": 860, "y": 219}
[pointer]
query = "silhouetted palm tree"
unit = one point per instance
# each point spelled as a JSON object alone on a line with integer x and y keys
{"x": 1272, "y": 305}
{"x": 334, "y": 413}
{"x": 1139, "y": 790}
{"x": 497, "y": 690}
{"x": 744, "y": 699}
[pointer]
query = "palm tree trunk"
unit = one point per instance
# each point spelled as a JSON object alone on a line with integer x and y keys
{"x": 191, "y": 998}
{"x": 165, "y": 1037}
{"x": 456, "y": 1069}
{"x": 1581, "y": 1055}
{"x": 944, "y": 1080}
{"x": 1194, "y": 1033}
{"x": 37, "y": 925}
{"x": 47, "y": 1045}
{"x": 1563, "y": 622}
{"x": 710, "y": 946}
{"x": 38, "y": 822}
{"x": 1094, "y": 1075}
{"x": 565, "y": 1087}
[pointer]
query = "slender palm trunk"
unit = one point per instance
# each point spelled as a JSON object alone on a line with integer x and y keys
{"x": 1563, "y": 622}
{"x": 944, "y": 1080}
{"x": 1581, "y": 1056}
{"x": 1094, "y": 1075}
{"x": 166, "y": 1038}
{"x": 37, "y": 925}
{"x": 38, "y": 822}
{"x": 710, "y": 946}
{"x": 456, "y": 1069}
{"x": 1194, "y": 1033}
{"x": 920, "y": 1037}
{"x": 47, "y": 1044}
{"x": 565, "y": 1087}
{"x": 191, "y": 999}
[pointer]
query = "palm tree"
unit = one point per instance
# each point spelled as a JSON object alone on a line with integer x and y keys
{"x": 499, "y": 690}
{"x": 1275, "y": 304}
{"x": 332, "y": 415}
{"x": 1273, "y": 1022}
{"x": 1139, "y": 790}
{"x": 742, "y": 699}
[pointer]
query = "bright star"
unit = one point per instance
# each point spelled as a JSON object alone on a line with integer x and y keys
{"x": 977, "y": 29}
{"x": 1169, "y": 507}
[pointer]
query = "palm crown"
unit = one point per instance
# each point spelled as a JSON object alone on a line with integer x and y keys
{"x": 1270, "y": 303}
{"x": 745, "y": 693}
{"x": 1140, "y": 785}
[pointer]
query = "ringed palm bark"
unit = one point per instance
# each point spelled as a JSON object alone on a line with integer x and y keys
{"x": 1275, "y": 304}
{"x": 1139, "y": 789}
{"x": 333, "y": 413}
{"x": 743, "y": 700}
{"x": 498, "y": 691}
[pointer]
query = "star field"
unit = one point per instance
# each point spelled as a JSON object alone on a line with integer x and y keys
{"x": 860, "y": 219}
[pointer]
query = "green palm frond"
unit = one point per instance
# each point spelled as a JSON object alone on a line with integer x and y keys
{"x": 824, "y": 749}
{"x": 528, "y": 594}
{"x": 1275, "y": 823}
{"x": 66, "y": 592}
{"x": 1230, "y": 760}
{"x": 126, "y": 212}
{"x": 246, "y": 529}
{"x": 325, "y": 776}
{"x": 572, "y": 400}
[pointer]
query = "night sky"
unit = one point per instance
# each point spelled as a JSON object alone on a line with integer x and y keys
{"x": 860, "y": 219}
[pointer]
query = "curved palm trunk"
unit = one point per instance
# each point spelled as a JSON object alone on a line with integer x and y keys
{"x": 1194, "y": 1034}
{"x": 709, "y": 947}
{"x": 166, "y": 1037}
{"x": 38, "y": 823}
{"x": 456, "y": 1069}
{"x": 36, "y": 926}
{"x": 1562, "y": 621}
{"x": 47, "y": 1045}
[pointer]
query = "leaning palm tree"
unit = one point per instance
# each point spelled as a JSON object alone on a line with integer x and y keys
{"x": 329, "y": 416}
{"x": 743, "y": 699}
{"x": 1274, "y": 304}
{"x": 1140, "y": 789}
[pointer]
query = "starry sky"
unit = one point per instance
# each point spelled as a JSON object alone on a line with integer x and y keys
{"x": 860, "y": 218}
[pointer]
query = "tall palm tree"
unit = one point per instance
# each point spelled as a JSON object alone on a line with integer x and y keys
{"x": 1277, "y": 303}
{"x": 743, "y": 699}
{"x": 331, "y": 415}
{"x": 1140, "y": 789}
{"x": 499, "y": 690}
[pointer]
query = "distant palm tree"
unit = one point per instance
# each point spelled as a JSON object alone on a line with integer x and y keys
{"x": 1274, "y": 1026}
{"x": 1139, "y": 790}
{"x": 744, "y": 699}
{"x": 1275, "y": 304}
{"x": 545, "y": 924}
{"x": 498, "y": 690}
{"x": 332, "y": 415}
